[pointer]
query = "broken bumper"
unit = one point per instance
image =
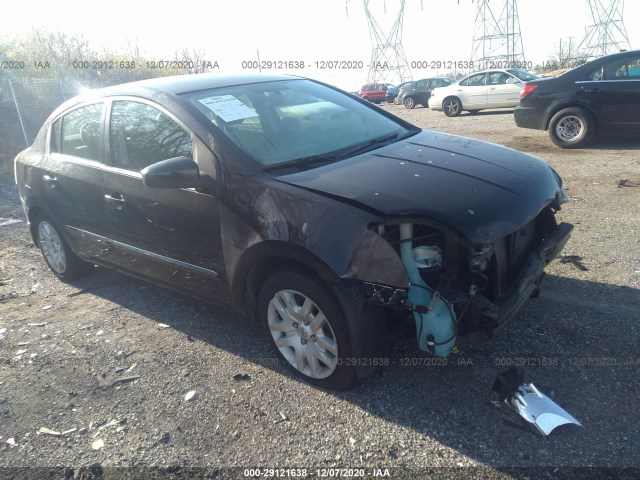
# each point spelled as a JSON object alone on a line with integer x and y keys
{"x": 528, "y": 281}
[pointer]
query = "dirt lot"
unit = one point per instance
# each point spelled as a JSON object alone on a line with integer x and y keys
{"x": 109, "y": 358}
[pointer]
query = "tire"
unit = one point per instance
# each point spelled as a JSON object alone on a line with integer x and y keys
{"x": 366, "y": 98}
{"x": 56, "y": 251}
{"x": 396, "y": 100}
{"x": 409, "y": 102}
{"x": 452, "y": 106}
{"x": 571, "y": 128}
{"x": 289, "y": 303}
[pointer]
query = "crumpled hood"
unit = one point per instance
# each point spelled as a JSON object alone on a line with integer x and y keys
{"x": 483, "y": 190}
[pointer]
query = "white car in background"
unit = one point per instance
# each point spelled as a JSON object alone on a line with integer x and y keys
{"x": 480, "y": 91}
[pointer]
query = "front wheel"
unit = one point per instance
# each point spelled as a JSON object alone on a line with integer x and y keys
{"x": 571, "y": 128}
{"x": 452, "y": 107}
{"x": 409, "y": 102}
{"x": 307, "y": 329}
{"x": 56, "y": 251}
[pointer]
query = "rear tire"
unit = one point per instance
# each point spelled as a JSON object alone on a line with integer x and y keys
{"x": 307, "y": 329}
{"x": 59, "y": 257}
{"x": 571, "y": 128}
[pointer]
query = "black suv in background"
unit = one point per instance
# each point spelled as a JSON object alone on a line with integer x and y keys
{"x": 602, "y": 96}
{"x": 419, "y": 92}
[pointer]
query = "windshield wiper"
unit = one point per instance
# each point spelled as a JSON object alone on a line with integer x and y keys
{"x": 301, "y": 163}
{"x": 306, "y": 162}
{"x": 366, "y": 146}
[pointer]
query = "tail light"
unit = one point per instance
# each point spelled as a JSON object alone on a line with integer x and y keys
{"x": 526, "y": 90}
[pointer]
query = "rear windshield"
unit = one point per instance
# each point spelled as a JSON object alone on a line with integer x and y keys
{"x": 523, "y": 75}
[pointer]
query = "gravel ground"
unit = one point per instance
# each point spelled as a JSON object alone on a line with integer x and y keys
{"x": 110, "y": 359}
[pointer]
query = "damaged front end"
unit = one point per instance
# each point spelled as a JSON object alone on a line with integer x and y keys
{"x": 459, "y": 290}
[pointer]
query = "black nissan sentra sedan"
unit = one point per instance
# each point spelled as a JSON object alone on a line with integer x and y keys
{"x": 301, "y": 206}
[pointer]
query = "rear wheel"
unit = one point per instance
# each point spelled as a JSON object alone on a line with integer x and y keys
{"x": 56, "y": 251}
{"x": 452, "y": 106}
{"x": 409, "y": 102}
{"x": 307, "y": 329}
{"x": 571, "y": 128}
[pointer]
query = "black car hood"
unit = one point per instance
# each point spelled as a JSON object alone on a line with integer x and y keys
{"x": 483, "y": 190}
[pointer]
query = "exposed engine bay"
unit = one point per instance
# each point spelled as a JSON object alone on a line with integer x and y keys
{"x": 458, "y": 289}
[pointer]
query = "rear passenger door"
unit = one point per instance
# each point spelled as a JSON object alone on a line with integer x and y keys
{"x": 616, "y": 96}
{"x": 70, "y": 174}
{"x": 171, "y": 235}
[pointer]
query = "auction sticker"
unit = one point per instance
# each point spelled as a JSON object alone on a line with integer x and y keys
{"x": 228, "y": 108}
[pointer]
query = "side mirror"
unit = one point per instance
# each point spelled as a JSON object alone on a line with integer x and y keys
{"x": 178, "y": 172}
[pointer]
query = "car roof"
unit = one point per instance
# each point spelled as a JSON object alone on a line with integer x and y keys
{"x": 178, "y": 84}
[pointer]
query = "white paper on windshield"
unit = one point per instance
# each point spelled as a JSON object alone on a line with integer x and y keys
{"x": 228, "y": 108}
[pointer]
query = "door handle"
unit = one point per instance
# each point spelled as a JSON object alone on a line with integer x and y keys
{"x": 50, "y": 179}
{"x": 492, "y": 88}
{"x": 117, "y": 201}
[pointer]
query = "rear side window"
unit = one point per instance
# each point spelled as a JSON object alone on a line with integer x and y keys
{"x": 78, "y": 132}
{"x": 141, "y": 135}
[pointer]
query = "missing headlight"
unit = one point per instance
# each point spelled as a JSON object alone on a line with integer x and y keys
{"x": 480, "y": 259}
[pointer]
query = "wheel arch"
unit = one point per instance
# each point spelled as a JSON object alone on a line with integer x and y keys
{"x": 259, "y": 261}
{"x": 552, "y": 113}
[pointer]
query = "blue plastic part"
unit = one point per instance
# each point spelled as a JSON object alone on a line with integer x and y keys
{"x": 439, "y": 321}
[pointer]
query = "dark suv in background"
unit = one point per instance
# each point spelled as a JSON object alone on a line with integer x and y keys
{"x": 419, "y": 92}
{"x": 602, "y": 96}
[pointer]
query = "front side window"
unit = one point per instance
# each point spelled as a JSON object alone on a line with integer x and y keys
{"x": 498, "y": 78}
{"x": 275, "y": 122}
{"x": 141, "y": 135}
{"x": 78, "y": 132}
{"x": 522, "y": 74}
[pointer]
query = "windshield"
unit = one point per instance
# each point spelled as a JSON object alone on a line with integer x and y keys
{"x": 276, "y": 122}
{"x": 523, "y": 75}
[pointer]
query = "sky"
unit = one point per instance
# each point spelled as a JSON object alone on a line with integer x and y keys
{"x": 309, "y": 31}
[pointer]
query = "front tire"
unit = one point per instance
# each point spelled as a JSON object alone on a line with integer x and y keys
{"x": 409, "y": 103}
{"x": 571, "y": 128}
{"x": 56, "y": 251}
{"x": 306, "y": 327}
{"x": 452, "y": 106}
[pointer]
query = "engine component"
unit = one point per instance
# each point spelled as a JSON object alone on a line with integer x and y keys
{"x": 434, "y": 317}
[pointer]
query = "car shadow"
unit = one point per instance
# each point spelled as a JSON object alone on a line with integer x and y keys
{"x": 487, "y": 113}
{"x": 614, "y": 142}
{"x": 577, "y": 343}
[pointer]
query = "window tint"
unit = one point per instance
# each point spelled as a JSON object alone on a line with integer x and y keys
{"x": 142, "y": 135}
{"x": 78, "y": 133}
{"x": 627, "y": 69}
{"x": 477, "y": 80}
